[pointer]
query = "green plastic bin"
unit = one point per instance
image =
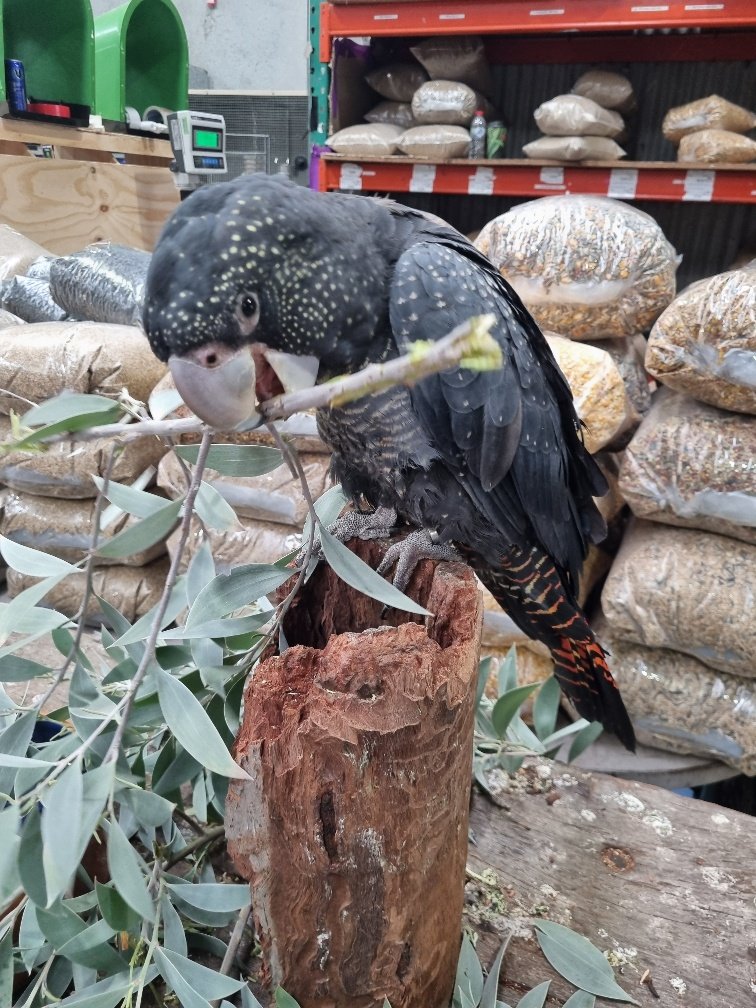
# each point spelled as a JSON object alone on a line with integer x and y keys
{"x": 55, "y": 41}
{"x": 141, "y": 59}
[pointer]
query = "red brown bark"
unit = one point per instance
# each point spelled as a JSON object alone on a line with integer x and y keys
{"x": 353, "y": 828}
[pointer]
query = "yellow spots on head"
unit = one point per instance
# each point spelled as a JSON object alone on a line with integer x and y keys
{"x": 251, "y": 227}
{"x": 236, "y": 237}
{"x": 234, "y": 250}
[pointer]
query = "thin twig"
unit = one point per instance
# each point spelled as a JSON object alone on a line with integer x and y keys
{"x": 149, "y": 649}
{"x": 80, "y": 617}
{"x": 207, "y": 838}
{"x": 405, "y": 370}
{"x": 233, "y": 945}
{"x": 191, "y": 823}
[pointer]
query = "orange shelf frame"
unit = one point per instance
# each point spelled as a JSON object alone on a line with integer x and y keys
{"x": 665, "y": 181}
{"x": 458, "y": 17}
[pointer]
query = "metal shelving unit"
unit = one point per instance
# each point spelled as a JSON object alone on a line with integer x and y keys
{"x": 522, "y": 32}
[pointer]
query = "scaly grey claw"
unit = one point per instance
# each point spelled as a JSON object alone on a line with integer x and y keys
{"x": 408, "y": 553}
{"x": 378, "y": 524}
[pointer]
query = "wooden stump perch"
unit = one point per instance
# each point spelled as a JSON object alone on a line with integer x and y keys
{"x": 353, "y": 829}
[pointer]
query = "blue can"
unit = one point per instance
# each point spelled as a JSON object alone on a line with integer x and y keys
{"x": 15, "y": 85}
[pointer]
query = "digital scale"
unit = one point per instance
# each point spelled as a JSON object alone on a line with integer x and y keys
{"x": 198, "y": 140}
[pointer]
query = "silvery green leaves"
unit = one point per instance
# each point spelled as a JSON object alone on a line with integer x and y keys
{"x": 570, "y": 954}
{"x": 503, "y": 739}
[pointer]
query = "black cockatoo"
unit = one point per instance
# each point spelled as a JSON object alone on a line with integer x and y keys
{"x": 490, "y": 462}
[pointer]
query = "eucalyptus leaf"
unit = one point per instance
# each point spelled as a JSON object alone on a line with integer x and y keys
{"x": 31, "y": 941}
{"x": 219, "y": 897}
{"x": 248, "y": 999}
{"x": 357, "y": 574}
{"x": 144, "y": 534}
{"x": 208, "y": 983}
{"x": 580, "y": 999}
{"x": 90, "y": 948}
{"x": 469, "y": 978}
{"x": 13, "y": 668}
{"x": 535, "y": 998}
{"x": 507, "y": 706}
{"x": 585, "y": 737}
{"x": 63, "y": 845}
{"x": 508, "y": 671}
{"x": 193, "y": 729}
{"x": 284, "y": 1000}
{"x": 14, "y": 742}
{"x": 174, "y": 935}
{"x": 200, "y": 572}
{"x": 67, "y": 406}
{"x": 107, "y": 993}
{"x": 220, "y": 628}
{"x": 115, "y": 910}
{"x": 10, "y": 821}
{"x": 546, "y": 707}
{"x": 139, "y": 503}
{"x": 235, "y": 459}
{"x": 491, "y": 986}
{"x": 33, "y": 562}
{"x": 214, "y": 511}
{"x": 234, "y": 590}
{"x": 126, "y": 872}
{"x": 578, "y": 961}
{"x": 328, "y": 507}
{"x": 150, "y": 809}
{"x": 484, "y": 671}
{"x": 142, "y": 628}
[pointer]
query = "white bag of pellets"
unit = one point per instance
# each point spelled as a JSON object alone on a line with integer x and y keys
{"x": 704, "y": 343}
{"x": 17, "y": 252}
{"x": 438, "y": 142}
{"x": 39, "y": 361}
{"x": 572, "y": 115}
{"x": 274, "y": 497}
{"x": 690, "y": 464}
{"x": 63, "y": 528}
{"x": 573, "y": 148}
{"x": 598, "y": 391}
{"x": 689, "y": 591}
{"x": 102, "y": 283}
{"x": 133, "y": 591}
{"x": 366, "y": 140}
{"x": 65, "y": 468}
{"x": 393, "y": 113}
{"x": 444, "y": 102}
{"x": 678, "y": 704}
{"x": 629, "y": 355}
{"x": 712, "y": 112}
{"x": 586, "y": 267}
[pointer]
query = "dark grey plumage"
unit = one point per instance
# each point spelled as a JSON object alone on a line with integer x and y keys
{"x": 491, "y": 461}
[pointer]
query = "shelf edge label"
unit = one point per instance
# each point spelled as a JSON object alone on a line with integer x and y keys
{"x": 422, "y": 178}
{"x": 623, "y": 183}
{"x": 481, "y": 182}
{"x": 350, "y": 176}
{"x": 698, "y": 186}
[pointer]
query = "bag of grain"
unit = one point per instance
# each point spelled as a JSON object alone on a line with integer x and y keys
{"x": 587, "y": 267}
{"x": 133, "y": 591}
{"x": 686, "y": 590}
{"x": 573, "y": 115}
{"x": 366, "y": 140}
{"x": 39, "y": 361}
{"x": 690, "y": 465}
{"x": 393, "y": 113}
{"x": 629, "y": 355}
{"x": 716, "y": 146}
{"x": 445, "y": 102}
{"x": 397, "y": 81}
{"x": 461, "y": 58}
{"x": 680, "y": 705}
{"x": 17, "y": 252}
{"x": 251, "y": 541}
{"x": 711, "y": 112}
{"x": 437, "y": 142}
{"x": 102, "y": 283}
{"x": 704, "y": 343}
{"x": 608, "y": 89}
{"x": 65, "y": 468}
{"x": 573, "y": 148}
{"x": 598, "y": 391}
{"x": 63, "y": 528}
{"x": 274, "y": 497}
